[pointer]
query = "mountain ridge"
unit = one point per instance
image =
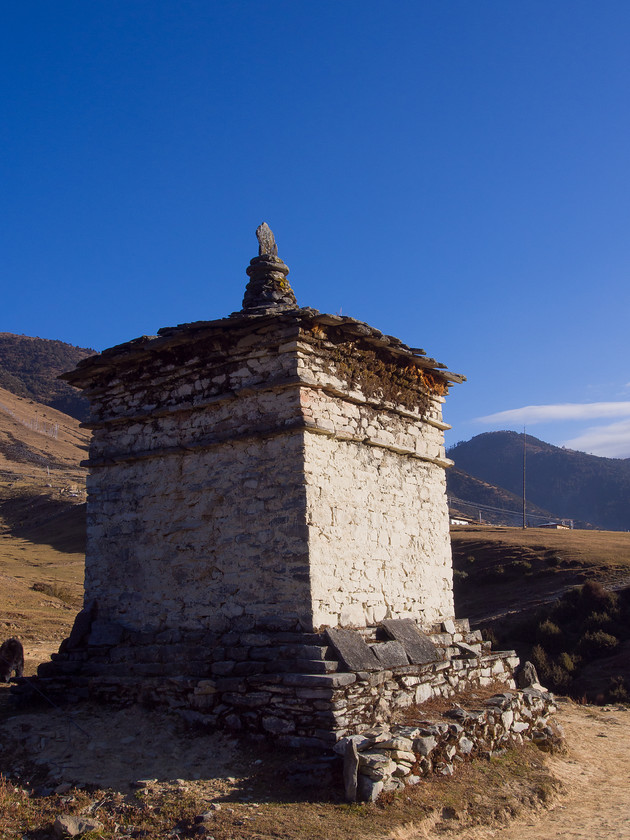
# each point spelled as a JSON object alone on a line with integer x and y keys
{"x": 30, "y": 366}
{"x": 589, "y": 489}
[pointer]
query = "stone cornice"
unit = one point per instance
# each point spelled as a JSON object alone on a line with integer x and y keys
{"x": 129, "y": 354}
{"x": 262, "y": 432}
{"x": 276, "y": 386}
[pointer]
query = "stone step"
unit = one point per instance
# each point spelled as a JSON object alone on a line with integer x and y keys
{"x": 288, "y": 653}
{"x": 303, "y": 666}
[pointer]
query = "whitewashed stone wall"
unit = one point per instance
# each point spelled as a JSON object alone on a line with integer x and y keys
{"x": 377, "y": 514}
{"x": 377, "y": 549}
{"x": 194, "y": 541}
{"x": 263, "y": 467}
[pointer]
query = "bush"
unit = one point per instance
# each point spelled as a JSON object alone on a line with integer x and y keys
{"x": 618, "y": 690}
{"x": 522, "y": 566}
{"x": 568, "y": 662}
{"x": 549, "y": 635}
{"x": 54, "y": 590}
{"x": 559, "y": 679}
{"x": 597, "y": 643}
{"x": 598, "y": 621}
{"x": 595, "y": 597}
{"x": 540, "y": 661}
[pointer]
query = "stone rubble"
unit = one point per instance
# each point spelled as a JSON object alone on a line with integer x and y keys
{"x": 388, "y": 758}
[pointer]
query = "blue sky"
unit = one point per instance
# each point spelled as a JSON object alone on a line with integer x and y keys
{"x": 455, "y": 173}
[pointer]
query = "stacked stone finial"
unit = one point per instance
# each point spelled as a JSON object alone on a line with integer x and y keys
{"x": 268, "y": 289}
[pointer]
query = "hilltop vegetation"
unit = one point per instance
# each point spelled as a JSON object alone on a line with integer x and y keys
{"x": 29, "y": 367}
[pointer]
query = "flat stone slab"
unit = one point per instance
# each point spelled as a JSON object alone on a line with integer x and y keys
{"x": 390, "y": 654}
{"x": 418, "y": 646}
{"x": 352, "y": 650}
{"x": 319, "y": 680}
{"x": 467, "y": 650}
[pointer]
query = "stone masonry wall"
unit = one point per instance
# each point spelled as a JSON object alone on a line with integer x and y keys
{"x": 387, "y": 758}
{"x": 257, "y": 468}
{"x": 378, "y": 539}
{"x": 275, "y": 679}
{"x": 376, "y": 488}
{"x": 199, "y": 541}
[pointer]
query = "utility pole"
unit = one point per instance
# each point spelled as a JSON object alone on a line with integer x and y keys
{"x": 524, "y": 473}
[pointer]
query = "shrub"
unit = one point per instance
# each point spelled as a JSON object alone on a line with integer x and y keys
{"x": 618, "y": 690}
{"x": 579, "y": 603}
{"x": 568, "y": 662}
{"x": 598, "y": 621}
{"x": 595, "y": 597}
{"x": 522, "y": 566}
{"x": 549, "y": 635}
{"x": 559, "y": 679}
{"x": 54, "y": 590}
{"x": 597, "y": 643}
{"x": 540, "y": 661}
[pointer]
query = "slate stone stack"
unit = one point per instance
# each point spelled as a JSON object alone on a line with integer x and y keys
{"x": 268, "y": 290}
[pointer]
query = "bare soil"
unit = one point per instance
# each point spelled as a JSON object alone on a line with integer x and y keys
{"x": 144, "y": 775}
{"x": 594, "y": 773}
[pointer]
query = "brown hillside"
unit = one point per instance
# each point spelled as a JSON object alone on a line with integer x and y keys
{"x": 573, "y": 485}
{"x": 501, "y": 571}
{"x": 39, "y": 444}
{"x": 42, "y": 522}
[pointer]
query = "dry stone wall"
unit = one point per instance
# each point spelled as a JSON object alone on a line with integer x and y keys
{"x": 386, "y": 758}
{"x": 305, "y": 689}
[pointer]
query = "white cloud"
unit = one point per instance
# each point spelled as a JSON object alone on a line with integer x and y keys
{"x": 529, "y": 414}
{"x": 612, "y": 441}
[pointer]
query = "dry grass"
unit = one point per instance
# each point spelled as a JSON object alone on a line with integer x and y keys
{"x": 606, "y": 550}
{"x": 502, "y": 571}
{"x": 432, "y": 709}
{"x": 264, "y": 805}
{"x": 41, "y": 590}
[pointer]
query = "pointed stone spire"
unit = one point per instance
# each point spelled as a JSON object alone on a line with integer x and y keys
{"x": 268, "y": 290}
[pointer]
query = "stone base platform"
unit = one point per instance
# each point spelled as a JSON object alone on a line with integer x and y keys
{"x": 304, "y": 689}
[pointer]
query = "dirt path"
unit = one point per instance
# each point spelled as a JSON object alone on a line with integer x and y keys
{"x": 596, "y": 775}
